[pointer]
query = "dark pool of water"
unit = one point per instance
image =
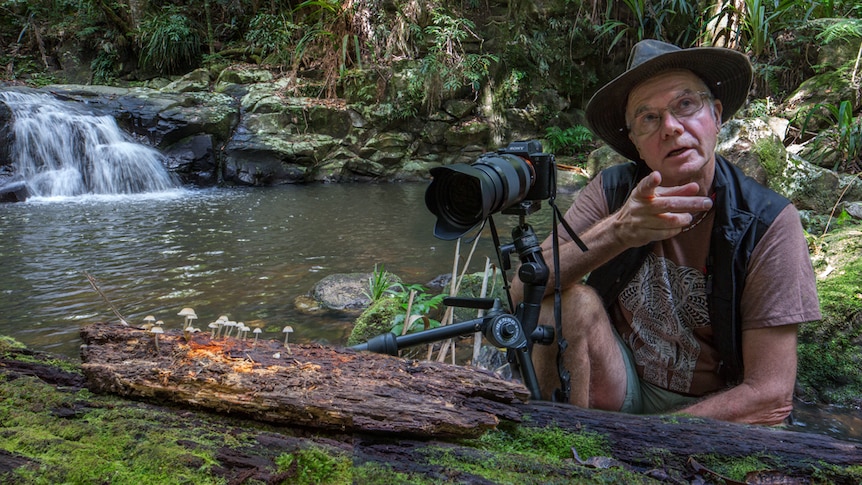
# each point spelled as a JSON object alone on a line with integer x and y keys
{"x": 247, "y": 253}
{"x": 840, "y": 422}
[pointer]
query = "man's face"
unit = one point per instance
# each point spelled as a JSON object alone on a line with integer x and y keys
{"x": 681, "y": 147}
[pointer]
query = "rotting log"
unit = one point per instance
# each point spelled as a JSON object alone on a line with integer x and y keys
{"x": 341, "y": 390}
{"x": 306, "y": 385}
{"x": 636, "y": 438}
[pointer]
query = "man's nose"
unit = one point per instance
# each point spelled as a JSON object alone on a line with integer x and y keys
{"x": 670, "y": 123}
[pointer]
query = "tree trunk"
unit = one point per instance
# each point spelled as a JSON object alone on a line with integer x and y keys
{"x": 339, "y": 389}
{"x": 114, "y": 18}
{"x": 723, "y": 28}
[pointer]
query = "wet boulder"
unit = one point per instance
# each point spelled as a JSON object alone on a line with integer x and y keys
{"x": 343, "y": 291}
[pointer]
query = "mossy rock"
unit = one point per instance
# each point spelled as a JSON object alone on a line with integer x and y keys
{"x": 830, "y": 351}
{"x": 375, "y": 320}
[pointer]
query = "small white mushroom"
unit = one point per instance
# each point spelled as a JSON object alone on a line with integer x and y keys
{"x": 190, "y": 319}
{"x": 213, "y": 326}
{"x": 149, "y": 321}
{"x": 256, "y": 333}
{"x": 156, "y": 330}
{"x": 220, "y": 322}
{"x": 287, "y": 331}
{"x": 190, "y": 330}
{"x": 186, "y": 313}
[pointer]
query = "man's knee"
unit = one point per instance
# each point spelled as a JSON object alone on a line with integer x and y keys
{"x": 582, "y": 309}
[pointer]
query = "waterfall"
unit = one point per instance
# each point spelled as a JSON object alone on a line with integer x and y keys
{"x": 60, "y": 149}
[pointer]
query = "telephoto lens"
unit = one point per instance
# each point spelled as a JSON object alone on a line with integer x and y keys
{"x": 462, "y": 196}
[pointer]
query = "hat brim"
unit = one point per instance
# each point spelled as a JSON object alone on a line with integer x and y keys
{"x": 726, "y": 72}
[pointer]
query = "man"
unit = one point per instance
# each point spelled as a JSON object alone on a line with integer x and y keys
{"x": 698, "y": 276}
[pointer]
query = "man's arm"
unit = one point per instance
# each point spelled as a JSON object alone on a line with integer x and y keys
{"x": 765, "y": 395}
{"x": 651, "y": 213}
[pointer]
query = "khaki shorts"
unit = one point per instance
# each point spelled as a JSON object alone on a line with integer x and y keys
{"x": 643, "y": 397}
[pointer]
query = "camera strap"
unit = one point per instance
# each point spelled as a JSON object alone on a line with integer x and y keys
{"x": 564, "y": 391}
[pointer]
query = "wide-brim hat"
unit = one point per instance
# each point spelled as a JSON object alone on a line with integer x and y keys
{"x": 726, "y": 72}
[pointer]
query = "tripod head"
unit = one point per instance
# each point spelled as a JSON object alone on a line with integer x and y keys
{"x": 499, "y": 327}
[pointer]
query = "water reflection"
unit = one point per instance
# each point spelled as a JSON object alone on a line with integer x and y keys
{"x": 245, "y": 252}
{"x": 845, "y": 423}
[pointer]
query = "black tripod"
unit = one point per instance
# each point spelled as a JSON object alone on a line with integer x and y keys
{"x": 514, "y": 331}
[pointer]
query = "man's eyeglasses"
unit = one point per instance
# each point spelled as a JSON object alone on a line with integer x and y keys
{"x": 683, "y": 106}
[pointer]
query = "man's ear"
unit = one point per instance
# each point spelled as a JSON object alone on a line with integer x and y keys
{"x": 717, "y": 112}
{"x": 634, "y": 141}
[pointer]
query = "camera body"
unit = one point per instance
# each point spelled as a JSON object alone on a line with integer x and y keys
{"x": 543, "y": 165}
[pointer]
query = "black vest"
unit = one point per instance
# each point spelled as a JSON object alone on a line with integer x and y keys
{"x": 744, "y": 211}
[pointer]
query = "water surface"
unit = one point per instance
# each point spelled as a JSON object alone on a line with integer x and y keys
{"x": 247, "y": 253}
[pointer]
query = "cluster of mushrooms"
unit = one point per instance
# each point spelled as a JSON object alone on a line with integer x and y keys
{"x": 223, "y": 322}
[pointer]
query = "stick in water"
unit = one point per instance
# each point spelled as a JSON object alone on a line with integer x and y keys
{"x": 105, "y": 297}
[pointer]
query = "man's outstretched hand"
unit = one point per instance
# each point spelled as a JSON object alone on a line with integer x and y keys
{"x": 655, "y": 213}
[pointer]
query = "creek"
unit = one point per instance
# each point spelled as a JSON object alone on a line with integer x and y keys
{"x": 247, "y": 253}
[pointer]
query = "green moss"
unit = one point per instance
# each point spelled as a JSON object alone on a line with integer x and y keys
{"x": 836, "y": 474}
{"x": 770, "y": 151}
{"x": 550, "y": 443}
{"x": 382, "y": 474}
{"x": 100, "y": 441}
{"x": 9, "y": 343}
{"x": 12, "y": 349}
{"x": 505, "y": 468}
{"x": 830, "y": 353}
{"x": 375, "y": 320}
{"x": 841, "y": 294}
{"x": 59, "y": 363}
{"x": 532, "y": 455}
{"x": 316, "y": 465}
{"x": 738, "y": 468}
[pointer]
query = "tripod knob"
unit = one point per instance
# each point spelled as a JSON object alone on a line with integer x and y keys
{"x": 532, "y": 272}
{"x": 508, "y": 329}
{"x": 505, "y": 331}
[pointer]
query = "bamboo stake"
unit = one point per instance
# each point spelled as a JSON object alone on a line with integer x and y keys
{"x": 447, "y": 316}
{"x": 105, "y": 297}
{"x": 453, "y": 291}
{"x": 407, "y": 322}
{"x": 477, "y": 337}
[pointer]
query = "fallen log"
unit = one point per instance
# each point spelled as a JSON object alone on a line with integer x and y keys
{"x": 307, "y": 385}
{"x": 634, "y": 438}
{"x": 338, "y": 389}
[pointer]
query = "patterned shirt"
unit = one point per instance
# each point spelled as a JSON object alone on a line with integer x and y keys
{"x": 662, "y": 314}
